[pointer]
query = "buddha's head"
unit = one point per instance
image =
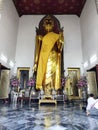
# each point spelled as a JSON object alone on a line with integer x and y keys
{"x": 48, "y": 23}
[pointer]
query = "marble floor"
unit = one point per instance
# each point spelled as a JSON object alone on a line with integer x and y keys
{"x": 45, "y": 117}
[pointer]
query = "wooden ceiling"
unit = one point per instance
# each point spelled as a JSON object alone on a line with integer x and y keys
{"x": 55, "y": 7}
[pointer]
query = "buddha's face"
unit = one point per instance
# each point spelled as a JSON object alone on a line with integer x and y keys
{"x": 48, "y": 24}
{"x": 48, "y": 27}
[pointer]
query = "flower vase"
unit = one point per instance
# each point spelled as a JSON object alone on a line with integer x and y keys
{"x": 84, "y": 93}
{"x": 80, "y": 92}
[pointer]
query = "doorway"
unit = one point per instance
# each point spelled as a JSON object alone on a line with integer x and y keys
{"x": 23, "y": 75}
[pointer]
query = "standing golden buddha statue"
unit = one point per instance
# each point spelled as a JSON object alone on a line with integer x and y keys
{"x": 48, "y": 58}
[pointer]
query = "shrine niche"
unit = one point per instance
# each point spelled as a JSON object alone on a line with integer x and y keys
{"x": 92, "y": 79}
{"x": 23, "y": 76}
{"x": 48, "y": 63}
{"x": 71, "y": 81}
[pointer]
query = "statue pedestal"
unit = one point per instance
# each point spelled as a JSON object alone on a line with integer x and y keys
{"x": 47, "y": 101}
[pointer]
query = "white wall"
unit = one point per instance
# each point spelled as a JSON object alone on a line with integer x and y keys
{"x": 72, "y": 35}
{"x": 89, "y": 29}
{"x": 26, "y": 40}
{"x": 8, "y": 30}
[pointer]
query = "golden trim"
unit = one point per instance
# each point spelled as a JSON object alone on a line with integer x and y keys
{"x": 75, "y": 69}
{"x": 47, "y": 101}
{"x": 18, "y": 72}
{"x": 21, "y": 68}
{"x": 73, "y": 77}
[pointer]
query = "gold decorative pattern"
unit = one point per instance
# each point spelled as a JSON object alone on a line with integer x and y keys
{"x": 47, "y": 101}
{"x": 24, "y": 1}
{"x": 71, "y": 81}
{"x": 61, "y": 1}
{"x": 49, "y": 6}
{"x": 36, "y": 1}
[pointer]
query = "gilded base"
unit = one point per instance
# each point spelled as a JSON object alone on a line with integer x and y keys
{"x": 47, "y": 101}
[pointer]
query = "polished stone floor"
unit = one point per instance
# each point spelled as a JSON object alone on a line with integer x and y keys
{"x": 45, "y": 117}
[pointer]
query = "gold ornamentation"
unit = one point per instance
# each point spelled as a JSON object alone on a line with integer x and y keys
{"x": 61, "y": 1}
{"x": 36, "y": 1}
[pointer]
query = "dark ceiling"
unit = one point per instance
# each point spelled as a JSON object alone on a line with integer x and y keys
{"x": 55, "y": 7}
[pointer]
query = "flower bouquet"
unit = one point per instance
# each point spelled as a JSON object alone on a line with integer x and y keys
{"x": 31, "y": 82}
{"x": 63, "y": 80}
{"x": 82, "y": 85}
{"x": 82, "y": 82}
{"x": 14, "y": 81}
